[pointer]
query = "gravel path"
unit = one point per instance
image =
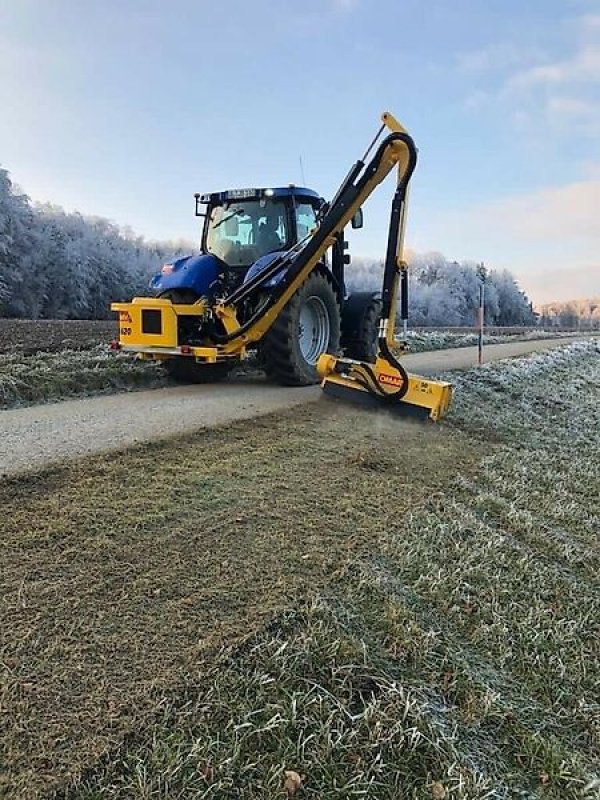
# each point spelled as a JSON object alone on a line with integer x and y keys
{"x": 38, "y": 436}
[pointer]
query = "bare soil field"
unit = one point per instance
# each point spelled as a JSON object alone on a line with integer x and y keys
{"x": 28, "y": 336}
{"x": 390, "y": 610}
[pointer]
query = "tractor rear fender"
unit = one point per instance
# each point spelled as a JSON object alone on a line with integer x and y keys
{"x": 262, "y": 262}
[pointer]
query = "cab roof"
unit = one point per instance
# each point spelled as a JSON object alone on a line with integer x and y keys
{"x": 266, "y": 192}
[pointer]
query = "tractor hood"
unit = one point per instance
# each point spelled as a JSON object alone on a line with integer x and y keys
{"x": 196, "y": 273}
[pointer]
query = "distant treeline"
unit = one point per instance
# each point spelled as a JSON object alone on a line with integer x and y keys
{"x": 444, "y": 292}
{"x": 55, "y": 265}
{"x": 583, "y": 314}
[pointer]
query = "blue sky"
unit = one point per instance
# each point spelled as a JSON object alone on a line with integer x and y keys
{"x": 124, "y": 109}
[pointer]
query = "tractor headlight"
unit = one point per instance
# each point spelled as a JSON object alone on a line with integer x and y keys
{"x": 268, "y": 193}
{"x": 166, "y": 269}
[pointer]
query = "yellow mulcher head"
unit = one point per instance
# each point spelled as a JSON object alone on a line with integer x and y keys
{"x": 386, "y": 383}
{"x": 385, "y": 386}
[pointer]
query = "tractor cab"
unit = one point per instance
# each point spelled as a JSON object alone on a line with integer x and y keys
{"x": 243, "y": 225}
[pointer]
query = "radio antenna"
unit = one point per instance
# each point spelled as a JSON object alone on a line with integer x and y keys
{"x": 302, "y": 171}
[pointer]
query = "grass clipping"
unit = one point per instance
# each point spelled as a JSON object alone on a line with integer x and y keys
{"x": 429, "y": 595}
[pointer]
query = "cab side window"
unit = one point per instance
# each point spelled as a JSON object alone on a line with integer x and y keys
{"x": 306, "y": 219}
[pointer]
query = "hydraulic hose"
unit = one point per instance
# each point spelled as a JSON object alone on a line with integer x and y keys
{"x": 393, "y": 362}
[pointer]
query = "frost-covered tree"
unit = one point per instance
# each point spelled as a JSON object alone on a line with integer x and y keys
{"x": 19, "y": 246}
{"x": 514, "y": 307}
{"x": 59, "y": 265}
{"x": 583, "y": 314}
{"x": 444, "y": 292}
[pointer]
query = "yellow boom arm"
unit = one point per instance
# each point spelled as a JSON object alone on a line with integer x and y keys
{"x": 350, "y": 197}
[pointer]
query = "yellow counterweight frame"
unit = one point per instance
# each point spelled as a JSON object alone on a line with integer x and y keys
{"x": 148, "y": 326}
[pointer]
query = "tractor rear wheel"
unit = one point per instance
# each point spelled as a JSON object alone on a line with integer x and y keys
{"x": 185, "y": 369}
{"x": 308, "y": 326}
{"x": 360, "y": 325}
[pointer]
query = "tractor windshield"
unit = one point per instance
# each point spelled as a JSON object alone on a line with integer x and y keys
{"x": 240, "y": 232}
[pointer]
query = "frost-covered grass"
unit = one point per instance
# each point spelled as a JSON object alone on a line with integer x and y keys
{"x": 419, "y": 342}
{"x": 26, "y": 379}
{"x": 530, "y": 395}
{"x": 454, "y": 655}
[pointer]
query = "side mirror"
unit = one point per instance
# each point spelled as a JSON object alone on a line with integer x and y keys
{"x": 232, "y": 226}
{"x": 197, "y": 198}
{"x": 357, "y": 219}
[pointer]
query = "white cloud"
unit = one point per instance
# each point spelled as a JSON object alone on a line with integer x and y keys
{"x": 565, "y": 91}
{"x": 546, "y": 285}
{"x": 498, "y": 56}
{"x": 544, "y": 95}
{"x": 550, "y": 238}
{"x": 582, "y": 67}
{"x": 477, "y": 100}
{"x": 583, "y": 64}
{"x": 555, "y": 213}
{"x": 571, "y": 107}
{"x": 591, "y": 23}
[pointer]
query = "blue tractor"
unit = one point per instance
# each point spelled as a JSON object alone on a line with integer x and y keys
{"x": 270, "y": 277}
{"x": 244, "y": 231}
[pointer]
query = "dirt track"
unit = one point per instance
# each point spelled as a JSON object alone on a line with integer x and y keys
{"x": 35, "y": 437}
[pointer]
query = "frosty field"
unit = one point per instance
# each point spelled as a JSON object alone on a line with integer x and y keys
{"x": 423, "y": 341}
{"x": 414, "y": 615}
{"x": 45, "y": 360}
